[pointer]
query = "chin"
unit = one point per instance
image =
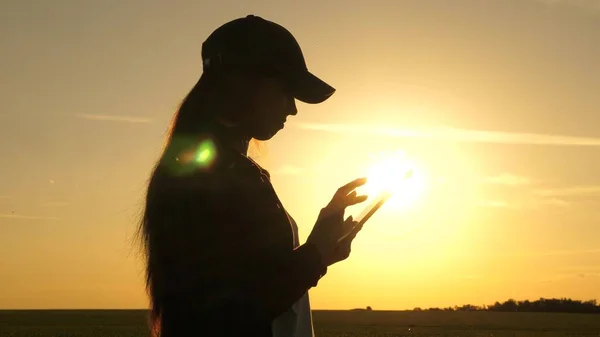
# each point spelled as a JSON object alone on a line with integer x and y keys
{"x": 264, "y": 137}
{"x": 266, "y": 134}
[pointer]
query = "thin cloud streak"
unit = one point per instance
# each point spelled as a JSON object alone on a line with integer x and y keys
{"x": 507, "y": 179}
{"x": 455, "y": 134}
{"x": 113, "y": 118}
{"x": 543, "y": 254}
{"x": 547, "y": 253}
{"x": 593, "y": 190}
{"x": 535, "y": 203}
{"x": 470, "y": 277}
{"x": 55, "y": 204}
{"x": 26, "y": 217}
{"x": 554, "y": 202}
{"x": 569, "y": 252}
{"x": 496, "y": 204}
{"x": 593, "y": 5}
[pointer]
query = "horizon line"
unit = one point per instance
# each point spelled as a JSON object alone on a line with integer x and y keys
{"x": 350, "y": 309}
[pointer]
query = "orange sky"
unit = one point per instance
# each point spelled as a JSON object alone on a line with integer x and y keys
{"x": 495, "y": 101}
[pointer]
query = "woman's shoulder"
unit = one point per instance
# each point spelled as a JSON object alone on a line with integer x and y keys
{"x": 205, "y": 169}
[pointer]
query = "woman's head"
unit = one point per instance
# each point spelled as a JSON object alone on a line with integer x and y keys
{"x": 254, "y": 70}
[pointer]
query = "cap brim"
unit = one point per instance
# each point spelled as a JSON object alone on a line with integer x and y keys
{"x": 310, "y": 89}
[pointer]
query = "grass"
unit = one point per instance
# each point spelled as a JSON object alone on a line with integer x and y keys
{"x": 132, "y": 323}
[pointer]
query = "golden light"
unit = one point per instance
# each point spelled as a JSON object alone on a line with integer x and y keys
{"x": 389, "y": 174}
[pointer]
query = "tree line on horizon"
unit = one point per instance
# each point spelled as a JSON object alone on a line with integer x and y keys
{"x": 562, "y": 305}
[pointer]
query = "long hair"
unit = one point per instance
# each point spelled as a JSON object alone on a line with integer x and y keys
{"x": 195, "y": 112}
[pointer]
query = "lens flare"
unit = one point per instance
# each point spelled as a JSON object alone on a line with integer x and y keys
{"x": 205, "y": 153}
{"x": 400, "y": 177}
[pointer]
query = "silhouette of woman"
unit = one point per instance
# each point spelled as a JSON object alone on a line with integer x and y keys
{"x": 222, "y": 254}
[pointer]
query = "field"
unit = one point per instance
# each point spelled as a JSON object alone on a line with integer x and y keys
{"x": 131, "y": 323}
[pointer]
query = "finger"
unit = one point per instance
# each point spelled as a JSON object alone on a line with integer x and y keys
{"x": 337, "y": 205}
{"x": 350, "y": 229}
{"x": 349, "y": 187}
{"x": 349, "y": 224}
{"x": 355, "y": 200}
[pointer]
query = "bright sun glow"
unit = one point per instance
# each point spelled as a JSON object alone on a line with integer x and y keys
{"x": 389, "y": 173}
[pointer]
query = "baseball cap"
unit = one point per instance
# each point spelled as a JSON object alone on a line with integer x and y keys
{"x": 255, "y": 44}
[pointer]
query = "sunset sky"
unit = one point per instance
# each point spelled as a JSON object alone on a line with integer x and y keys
{"x": 495, "y": 102}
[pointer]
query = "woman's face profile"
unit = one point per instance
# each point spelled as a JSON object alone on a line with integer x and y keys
{"x": 271, "y": 104}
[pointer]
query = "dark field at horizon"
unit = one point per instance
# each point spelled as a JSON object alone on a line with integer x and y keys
{"x": 132, "y": 323}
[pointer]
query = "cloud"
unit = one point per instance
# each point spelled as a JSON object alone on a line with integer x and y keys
{"x": 112, "y": 118}
{"x": 588, "y": 269}
{"x": 554, "y": 202}
{"x": 470, "y": 277}
{"x": 289, "y": 170}
{"x": 591, "y": 190}
{"x": 523, "y": 204}
{"x": 560, "y": 277}
{"x": 507, "y": 179}
{"x": 454, "y": 134}
{"x": 563, "y": 196}
{"x": 55, "y": 204}
{"x": 565, "y": 252}
{"x": 26, "y": 217}
{"x": 593, "y": 5}
{"x": 494, "y": 204}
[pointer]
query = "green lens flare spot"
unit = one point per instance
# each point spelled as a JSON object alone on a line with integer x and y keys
{"x": 206, "y": 153}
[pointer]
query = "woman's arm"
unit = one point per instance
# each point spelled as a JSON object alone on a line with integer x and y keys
{"x": 264, "y": 293}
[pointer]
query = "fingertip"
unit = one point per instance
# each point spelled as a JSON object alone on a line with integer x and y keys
{"x": 360, "y": 181}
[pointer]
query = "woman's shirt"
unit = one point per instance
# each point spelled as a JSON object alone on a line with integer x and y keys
{"x": 235, "y": 266}
{"x": 296, "y": 321}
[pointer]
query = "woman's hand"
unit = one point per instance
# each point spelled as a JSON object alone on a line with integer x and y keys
{"x": 344, "y": 246}
{"x": 331, "y": 234}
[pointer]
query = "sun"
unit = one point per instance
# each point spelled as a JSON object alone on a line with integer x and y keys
{"x": 397, "y": 175}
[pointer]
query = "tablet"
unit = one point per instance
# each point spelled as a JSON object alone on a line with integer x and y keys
{"x": 377, "y": 202}
{"x": 372, "y": 207}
